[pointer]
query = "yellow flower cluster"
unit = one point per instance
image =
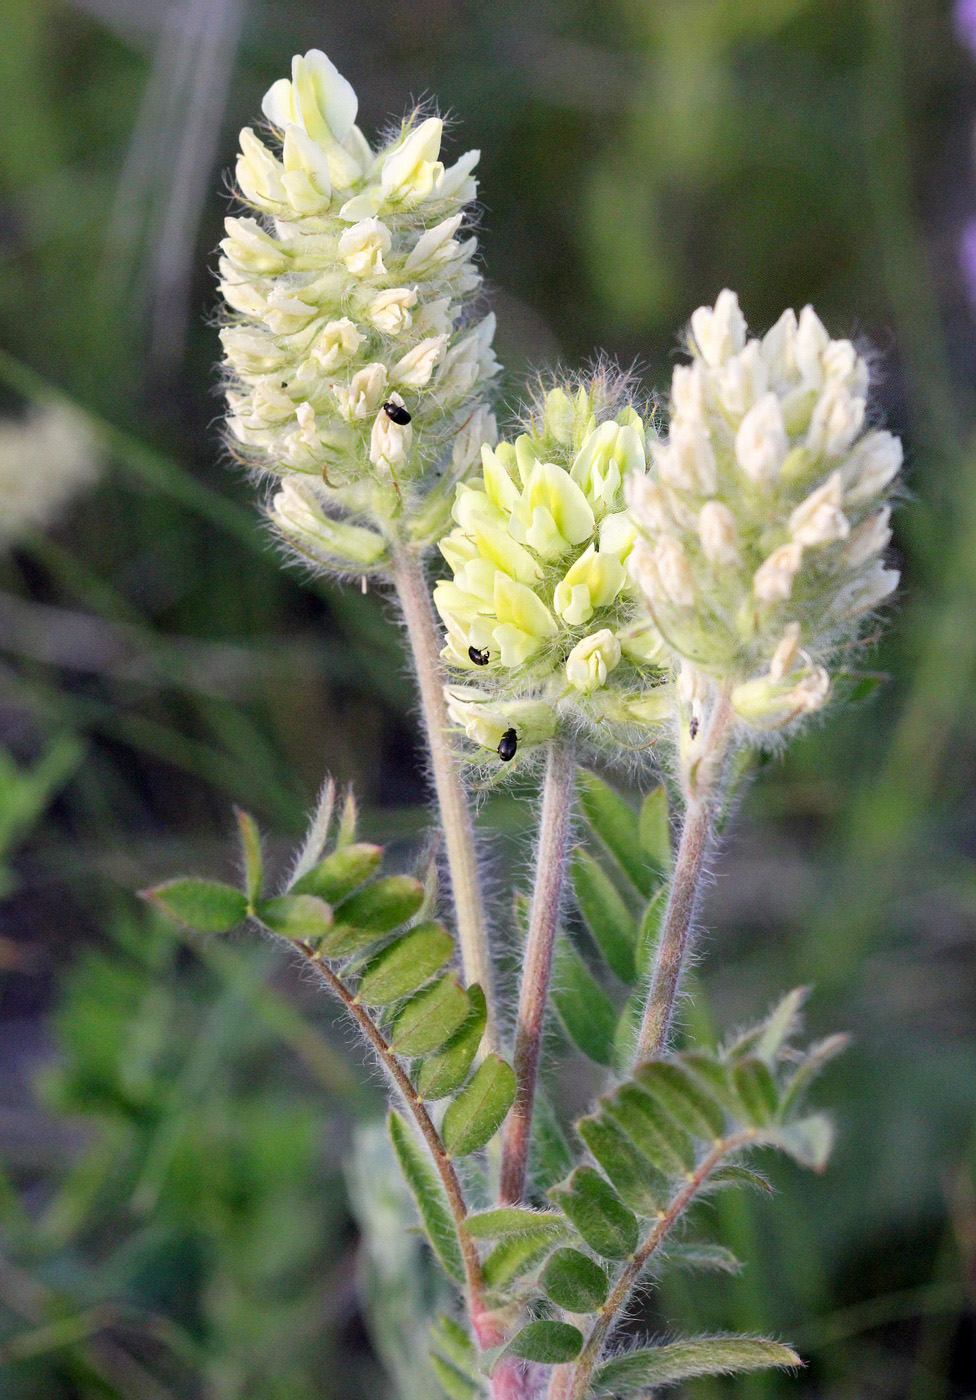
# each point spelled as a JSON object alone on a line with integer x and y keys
{"x": 540, "y": 607}
{"x": 763, "y": 522}
{"x": 354, "y": 366}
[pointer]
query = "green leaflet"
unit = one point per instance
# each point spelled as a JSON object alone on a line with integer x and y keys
{"x": 405, "y": 965}
{"x": 632, "y": 1373}
{"x": 366, "y": 916}
{"x": 453, "y": 1342}
{"x": 649, "y": 934}
{"x": 820, "y": 1054}
{"x": 429, "y": 1018}
{"x": 598, "y": 1213}
{"x": 513, "y": 1220}
{"x": 335, "y": 878}
{"x": 780, "y": 1024}
{"x": 809, "y": 1141}
{"x": 651, "y": 1130}
{"x": 757, "y": 1089}
{"x": 456, "y": 1384}
{"x": 683, "y": 1097}
{"x": 514, "y": 1256}
{"x": 300, "y": 917}
{"x": 583, "y": 1007}
{"x": 479, "y": 1110}
{"x": 550, "y": 1158}
{"x": 575, "y": 1282}
{"x": 655, "y": 830}
{"x": 441, "y": 1073}
{"x": 639, "y": 1185}
{"x": 548, "y": 1342}
{"x": 739, "y": 1176}
{"x": 716, "y": 1078}
{"x": 608, "y": 919}
{"x": 616, "y": 824}
{"x": 429, "y": 1196}
{"x": 205, "y": 905}
{"x": 697, "y": 1254}
{"x": 251, "y": 847}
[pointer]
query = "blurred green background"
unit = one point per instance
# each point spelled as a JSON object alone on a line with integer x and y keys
{"x": 175, "y": 1115}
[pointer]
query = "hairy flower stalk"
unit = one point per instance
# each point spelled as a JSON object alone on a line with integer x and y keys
{"x": 357, "y": 370}
{"x": 762, "y": 533}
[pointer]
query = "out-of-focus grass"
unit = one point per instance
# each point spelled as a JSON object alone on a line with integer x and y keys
{"x": 638, "y": 155}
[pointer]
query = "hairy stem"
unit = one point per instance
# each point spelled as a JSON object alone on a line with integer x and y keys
{"x": 571, "y": 1382}
{"x": 456, "y": 822}
{"x": 702, "y": 789}
{"x": 554, "y": 829}
{"x": 418, "y": 1111}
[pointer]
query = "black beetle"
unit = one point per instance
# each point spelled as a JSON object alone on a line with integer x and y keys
{"x": 396, "y": 413}
{"x": 508, "y": 746}
{"x": 480, "y": 658}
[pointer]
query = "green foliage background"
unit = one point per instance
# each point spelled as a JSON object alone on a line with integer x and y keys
{"x": 174, "y": 1118}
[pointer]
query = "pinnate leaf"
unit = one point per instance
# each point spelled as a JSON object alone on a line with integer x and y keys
{"x": 598, "y": 1213}
{"x": 608, "y": 919}
{"x": 430, "y": 1018}
{"x": 575, "y": 1282}
{"x": 479, "y": 1110}
{"x": 583, "y": 1007}
{"x": 617, "y": 826}
{"x": 548, "y": 1342}
{"x": 205, "y": 905}
{"x": 342, "y": 872}
{"x": 430, "y": 1198}
{"x": 441, "y": 1073}
{"x": 404, "y": 965}
{"x": 635, "y": 1371}
{"x": 301, "y": 917}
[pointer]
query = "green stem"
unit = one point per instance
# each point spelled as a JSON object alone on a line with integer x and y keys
{"x": 554, "y": 830}
{"x": 456, "y": 823}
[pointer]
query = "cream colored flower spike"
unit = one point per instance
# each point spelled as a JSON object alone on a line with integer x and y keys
{"x": 763, "y": 521}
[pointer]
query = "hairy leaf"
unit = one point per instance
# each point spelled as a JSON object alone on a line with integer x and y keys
{"x": 205, "y": 905}
{"x": 607, "y": 917}
{"x": 617, "y": 826}
{"x": 479, "y": 1110}
{"x": 598, "y": 1213}
{"x": 342, "y": 872}
{"x": 513, "y": 1220}
{"x": 820, "y": 1054}
{"x": 429, "y": 1196}
{"x": 757, "y": 1089}
{"x": 575, "y": 1282}
{"x": 632, "y": 1373}
{"x": 547, "y": 1341}
{"x": 683, "y": 1097}
{"x": 251, "y": 846}
{"x": 583, "y": 1007}
{"x": 405, "y": 965}
{"x": 651, "y": 1130}
{"x": 640, "y": 1185}
{"x": 297, "y": 916}
{"x": 649, "y": 935}
{"x": 379, "y": 908}
{"x": 430, "y": 1018}
{"x": 716, "y": 1078}
{"x": 515, "y": 1256}
{"x": 655, "y": 830}
{"x": 455, "y": 1383}
{"x": 441, "y": 1073}
{"x": 809, "y": 1141}
{"x": 698, "y": 1254}
{"x": 780, "y": 1024}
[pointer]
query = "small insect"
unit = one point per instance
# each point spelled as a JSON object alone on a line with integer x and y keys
{"x": 480, "y": 658}
{"x": 396, "y": 413}
{"x": 508, "y": 746}
{"x": 693, "y": 727}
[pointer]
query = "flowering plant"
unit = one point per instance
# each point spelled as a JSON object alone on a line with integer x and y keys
{"x": 612, "y": 588}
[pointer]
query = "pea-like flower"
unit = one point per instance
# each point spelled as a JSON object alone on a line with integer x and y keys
{"x": 354, "y": 360}
{"x": 541, "y": 607}
{"x": 764, "y": 521}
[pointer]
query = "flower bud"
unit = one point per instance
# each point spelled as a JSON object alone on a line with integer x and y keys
{"x": 591, "y": 661}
